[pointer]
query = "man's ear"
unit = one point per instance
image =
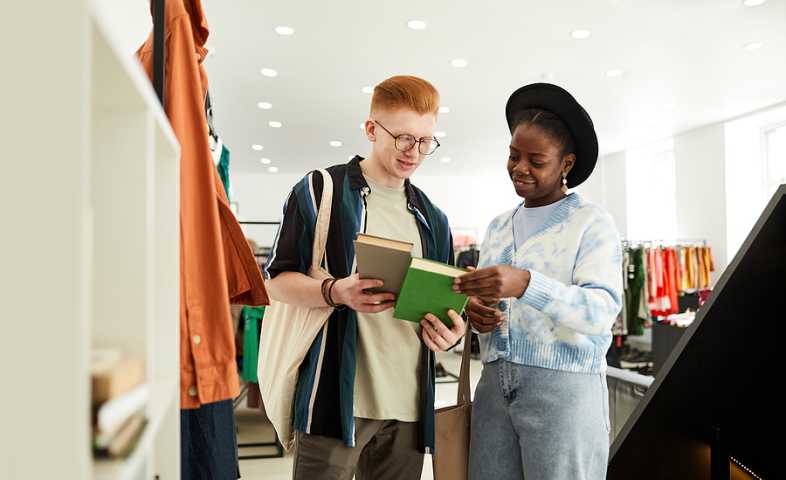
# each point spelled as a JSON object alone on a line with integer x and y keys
{"x": 371, "y": 130}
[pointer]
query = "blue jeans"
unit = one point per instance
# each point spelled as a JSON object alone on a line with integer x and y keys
{"x": 539, "y": 424}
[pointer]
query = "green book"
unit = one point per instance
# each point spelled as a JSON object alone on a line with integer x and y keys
{"x": 428, "y": 288}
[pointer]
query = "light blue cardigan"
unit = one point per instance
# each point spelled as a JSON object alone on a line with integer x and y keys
{"x": 563, "y": 321}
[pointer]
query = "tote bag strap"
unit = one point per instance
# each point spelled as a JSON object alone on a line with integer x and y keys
{"x": 464, "y": 397}
{"x": 323, "y": 219}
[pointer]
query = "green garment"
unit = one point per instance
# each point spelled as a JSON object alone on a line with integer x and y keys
{"x": 223, "y": 169}
{"x": 635, "y": 295}
{"x": 253, "y": 317}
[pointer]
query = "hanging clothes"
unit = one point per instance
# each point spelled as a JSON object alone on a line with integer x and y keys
{"x": 223, "y": 169}
{"x": 217, "y": 266}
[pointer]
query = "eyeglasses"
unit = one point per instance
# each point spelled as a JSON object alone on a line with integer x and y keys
{"x": 404, "y": 143}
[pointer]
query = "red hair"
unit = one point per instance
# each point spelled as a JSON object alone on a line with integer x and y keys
{"x": 405, "y": 92}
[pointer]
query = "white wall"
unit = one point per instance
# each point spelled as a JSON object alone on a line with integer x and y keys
{"x": 470, "y": 202}
{"x": 607, "y": 187}
{"x": 701, "y": 190}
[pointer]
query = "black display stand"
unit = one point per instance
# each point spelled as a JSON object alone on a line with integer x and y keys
{"x": 718, "y": 394}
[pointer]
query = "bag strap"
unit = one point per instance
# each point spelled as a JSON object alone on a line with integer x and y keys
{"x": 464, "y": 396}
{"x": 323, "y": 219}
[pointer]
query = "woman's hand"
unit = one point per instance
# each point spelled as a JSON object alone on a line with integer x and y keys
{"x": 499, "y": 281}
{"x": 350, "y": 292}
{"x": 483, "y": 318}
{"x": 437, "y": 336}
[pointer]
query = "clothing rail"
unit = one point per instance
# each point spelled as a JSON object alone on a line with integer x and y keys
{"x": 259, "y": 223}
{"x": 666, "y": 242}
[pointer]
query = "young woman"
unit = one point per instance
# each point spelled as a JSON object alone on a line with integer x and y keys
{"x": 544, "y": 297}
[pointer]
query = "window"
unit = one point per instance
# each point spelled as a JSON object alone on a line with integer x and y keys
{"x": 774, "y": 160}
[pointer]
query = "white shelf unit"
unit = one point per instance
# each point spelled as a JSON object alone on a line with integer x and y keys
{"x": 91, "y": 253}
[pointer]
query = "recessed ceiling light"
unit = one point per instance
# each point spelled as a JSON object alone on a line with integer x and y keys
{"x": 368, "y": 89}
{"x": 439, "y": 134}
{"x": 445, "y": 159}
{"x": 459, "y": 63}
{"x": 284, "y": 31}
{"x": 362, "y": 126}
{"x": 335, "y": 143}
{"x": 264, "y": 160}
{"x": 417, "y": 25}
{"x": 614, "y": 73}
{"x": 275, "y": 124}
{"x": 264, "y": 105}
{"x": 351, "y": 157}
{"x": 257, "y": 147}
{"x": 272, "y": 169}
{"x": 580, "y": 33}
{"x": 269, "y": 72}
{"x": 669, "y": 106}
{"x": 444, "y": 109}
{"x": 752, "y": 3}
{"x": 753, "y": 46}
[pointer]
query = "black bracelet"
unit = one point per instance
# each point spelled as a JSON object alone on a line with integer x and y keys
{"x": 337, "y": 306}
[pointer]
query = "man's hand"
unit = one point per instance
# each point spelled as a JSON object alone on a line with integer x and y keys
{"x": 437, "y": 336}
{"x": 349, "y": 291}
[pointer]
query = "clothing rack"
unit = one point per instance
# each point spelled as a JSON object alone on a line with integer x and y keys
{"x": 677, "y": 242}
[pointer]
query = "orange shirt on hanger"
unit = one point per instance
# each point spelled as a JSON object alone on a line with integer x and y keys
{"x": 216, "y": 263}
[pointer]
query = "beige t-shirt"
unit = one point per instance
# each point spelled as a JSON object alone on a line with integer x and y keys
{"x": 388, "y": 365}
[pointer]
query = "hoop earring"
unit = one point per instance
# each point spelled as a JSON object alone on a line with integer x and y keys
{"x": 564, "y": 187}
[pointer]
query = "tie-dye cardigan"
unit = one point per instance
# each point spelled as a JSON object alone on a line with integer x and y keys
{"x": 563, "y": 320}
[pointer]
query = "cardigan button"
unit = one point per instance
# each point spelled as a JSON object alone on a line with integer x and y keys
{"x": 192, "y": 391}
{"x": 197, "y": 339}
{"x": 502, "y": 305}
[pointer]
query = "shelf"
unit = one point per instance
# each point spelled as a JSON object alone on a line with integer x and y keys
{"x": 162, "y": 404}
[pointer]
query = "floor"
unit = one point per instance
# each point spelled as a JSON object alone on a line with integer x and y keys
{"x": 253, "y": 428}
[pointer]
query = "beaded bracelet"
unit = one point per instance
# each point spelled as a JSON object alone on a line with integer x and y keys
{"x": 324, "y": 291}
{"x": 337, "y": 306}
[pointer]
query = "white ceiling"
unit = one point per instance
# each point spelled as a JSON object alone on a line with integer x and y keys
{"x": 686, "y": 52}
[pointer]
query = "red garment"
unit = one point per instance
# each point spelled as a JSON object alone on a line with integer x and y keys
{"x": 216, "y": 262}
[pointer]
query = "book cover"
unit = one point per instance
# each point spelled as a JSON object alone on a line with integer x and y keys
{"x": 428, "y": 288}
{"x": 384, "y": 259}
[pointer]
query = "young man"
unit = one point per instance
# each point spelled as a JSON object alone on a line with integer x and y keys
{"x": 365, "y": 394}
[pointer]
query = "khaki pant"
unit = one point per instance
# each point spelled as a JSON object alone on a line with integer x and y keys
{"x": 385, "y": 450}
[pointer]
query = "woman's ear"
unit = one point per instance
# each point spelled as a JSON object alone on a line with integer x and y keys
{"x": 568, "y": 161}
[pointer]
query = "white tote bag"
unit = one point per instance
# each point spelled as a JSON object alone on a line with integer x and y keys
{"x": 288, "y": 332}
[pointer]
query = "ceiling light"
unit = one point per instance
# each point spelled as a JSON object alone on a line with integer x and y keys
{"x": 284, "y": 31}
{"x": 257, "y": 147}
{"x": 272, "y": 169}
{"x": 275, "y": 124}
{"x": 335, "y": 143}
{"x": 669, "y": 106}
{"x": 580, "y": 33}
{"x": 351, "y": 157}
{"x": 362, "y": 126}
{"x": 445, "y": 159}
{"x": 444, "y": 109}
{"x": 268, "y": 72}
{"x": 417, "y": 25}
{"x": 752, "y": 3}
{"x": 264, "y": 105}
{"x": 264, "y": 160}
{"x": 368, "y": 89}
{"x": 753, "y": 46}
{"x": 614, "y": 73}
{"x": 459, "y": 63}
{"x": 439, "y": 134}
